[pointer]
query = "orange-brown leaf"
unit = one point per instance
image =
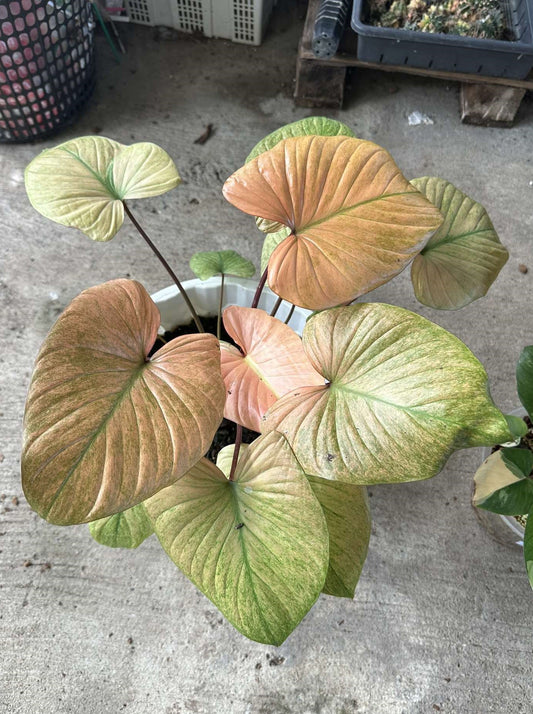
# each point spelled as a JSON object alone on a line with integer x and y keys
{"x": 356, "y": 221}
{"x": 272, "y": 363}
{"x": 106, "y": 427}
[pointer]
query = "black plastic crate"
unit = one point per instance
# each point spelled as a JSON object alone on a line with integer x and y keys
{"x": 450, "y": 53}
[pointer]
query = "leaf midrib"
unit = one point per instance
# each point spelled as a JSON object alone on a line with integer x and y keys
{"x": 108, "y": 186}
{"x": 259, "y": 372}
{"x": 103, "y": 425}
{"x": 419, "y": 411}
{"x": 234, "y": 485}
{"x": 347, "y": 209}
{"x": 452, "y": 238}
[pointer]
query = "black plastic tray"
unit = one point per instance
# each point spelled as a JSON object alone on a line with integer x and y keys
{"x": 450, "y": 53}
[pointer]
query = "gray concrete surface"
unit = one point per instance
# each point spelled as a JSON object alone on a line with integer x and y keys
{"x": 442, "y": 616}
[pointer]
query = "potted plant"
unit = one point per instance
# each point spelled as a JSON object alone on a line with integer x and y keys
{"x": 481, "y": 37}
{"x": 115, "y": 433}
{"x": 503, "y": 484}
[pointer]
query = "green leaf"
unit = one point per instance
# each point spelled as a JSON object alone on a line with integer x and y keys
{"x": 403, "y": 394}
{"x": 221, "y": 262}
{"x": 83, "y": 182}
{"x": 501, "y": 489}
{"x": 123, "y": 530}
{"x": 105, "y": 425}
{"x": 517, "y": 426}
{"x": 271, "y": 242}
{"x": 347, "y": 514}
{"x": 256, "y": 546}
{"x": 317, "y": 126}
{"x": 528, "y": 549}
{"x": 348, "y": 519}
{"x": 463, "y": 257}
{"x": 524, "y": 379}
{"x": 519, "y": 461}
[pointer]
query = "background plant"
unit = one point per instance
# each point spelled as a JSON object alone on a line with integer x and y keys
{"x": 504, "y": 482}
{"x": 115, "y": 434}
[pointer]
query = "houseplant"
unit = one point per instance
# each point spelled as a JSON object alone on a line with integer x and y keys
{"x": 438, "y": 48}
{"x": 503, "y": 483}
{"x": 115, "y": 435}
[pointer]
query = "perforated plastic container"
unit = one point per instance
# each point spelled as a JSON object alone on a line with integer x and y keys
{"x": 450, "y": 53}
{"x": 237, "y": 20}
{"x": 46, "y": 65}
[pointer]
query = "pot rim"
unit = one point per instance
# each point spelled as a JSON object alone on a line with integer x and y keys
{"x": 205, "y": 295}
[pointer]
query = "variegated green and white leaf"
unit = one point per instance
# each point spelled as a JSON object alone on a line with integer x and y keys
{"x": 257, "y": 546}
{"x": 402, "y": 395}
{"x": 83, "y": 182}
{"x": 123, "y": 530}
{"x": 501, "y": 488}
{"x": 463, "y": 257}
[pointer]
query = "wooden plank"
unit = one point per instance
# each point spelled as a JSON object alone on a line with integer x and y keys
{"x": 345, "y": 60}
{"x": 490, "y": 104}
{"x": 319, "y": 85}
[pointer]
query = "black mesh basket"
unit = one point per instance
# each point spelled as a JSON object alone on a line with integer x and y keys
{"x": 46, "y": 65}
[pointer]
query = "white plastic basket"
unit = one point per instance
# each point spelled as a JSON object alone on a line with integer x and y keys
{"x": 237, "y": 20}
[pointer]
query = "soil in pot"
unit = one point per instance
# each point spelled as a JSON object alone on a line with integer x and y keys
{"x": 226, "y": 431}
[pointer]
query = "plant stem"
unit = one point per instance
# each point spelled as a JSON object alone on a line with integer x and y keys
{"x": 276, "y": 307}
{"x": 166, "y": 266}
{"x": 238, "y": 442}
{"x": 291, "y": 311}
{"x": 220, "y": 304}
{"x": 260, "y": 287}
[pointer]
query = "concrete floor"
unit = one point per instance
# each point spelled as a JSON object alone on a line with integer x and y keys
{"x": 442, "y": 616}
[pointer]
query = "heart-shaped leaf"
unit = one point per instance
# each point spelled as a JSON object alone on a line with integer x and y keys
{"x": 402, "y": 395}
{"x": 524, "y": 379}
{"x": 463, "y": 257}
{"x": 355, "y": 221}
{"x": 256, "y": 546}
{"x": 123, "y": 530}
{"x": 221, "y": 262}
{"x": 499, "y": 489}
{"x": 314, "y": 126}
{"x": 271, "y": 363}
{"x": 83, "y": 182}
{"x": 347, "y": 515}
{"x": 106, "y": 426}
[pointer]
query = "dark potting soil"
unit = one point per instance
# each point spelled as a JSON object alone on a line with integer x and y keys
{"x": 226, "y": 431}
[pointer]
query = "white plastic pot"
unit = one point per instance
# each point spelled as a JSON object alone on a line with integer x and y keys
{"x": 505, "y": 529}
{"x": 205, "y": 296}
